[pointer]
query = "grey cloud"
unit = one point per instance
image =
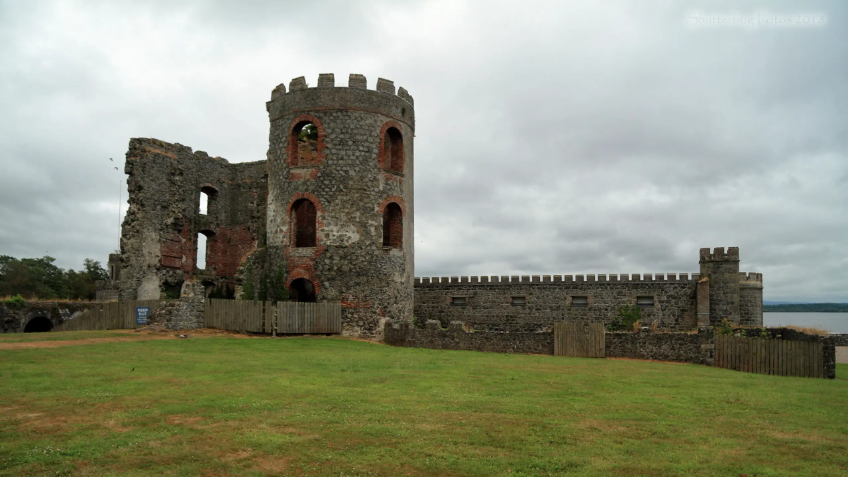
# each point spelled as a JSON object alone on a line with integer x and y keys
{"x": 555, "y": 139}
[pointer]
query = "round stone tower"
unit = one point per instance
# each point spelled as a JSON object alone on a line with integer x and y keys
{"x": 340, "y": 198}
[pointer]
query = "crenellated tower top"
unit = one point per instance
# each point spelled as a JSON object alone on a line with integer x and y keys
{"x": 326, "y": 96}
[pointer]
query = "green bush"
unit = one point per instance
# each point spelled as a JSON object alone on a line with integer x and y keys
{"x": 625, "y": 317}
{"x": 16, "y": 301}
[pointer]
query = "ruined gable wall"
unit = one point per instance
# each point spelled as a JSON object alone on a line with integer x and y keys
{"x": 159, "y": 235}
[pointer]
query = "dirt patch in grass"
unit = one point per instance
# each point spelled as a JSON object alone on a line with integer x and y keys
{"x": 129, "y": 336}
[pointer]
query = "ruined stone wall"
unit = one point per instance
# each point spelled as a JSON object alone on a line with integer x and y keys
{"x": 489, "y": 301}
{"x": 160, "y": 231}
{"x": 698, "y": 348}
{"x": 455, "y": 337}
{"x": 14, "y": 319}
{"x": 350, "y": 184}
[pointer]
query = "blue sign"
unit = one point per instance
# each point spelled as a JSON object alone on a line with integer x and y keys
{"x": 141, "y": 314}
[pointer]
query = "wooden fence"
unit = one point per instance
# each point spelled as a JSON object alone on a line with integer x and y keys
{"x": 580, "y": 339}
{"x": 239, "y": 315}
{"x": 297, "y": 318}
{"x": 260, "y": 317}
{"x": 770, "y": 356}
{"x": 116, "y": 315}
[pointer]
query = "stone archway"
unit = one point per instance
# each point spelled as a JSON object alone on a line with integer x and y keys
{"x": 302, "y": 290}
{"x": 39, "y": 324}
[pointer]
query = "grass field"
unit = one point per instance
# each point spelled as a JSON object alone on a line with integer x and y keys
{"x": 331, "y": 406}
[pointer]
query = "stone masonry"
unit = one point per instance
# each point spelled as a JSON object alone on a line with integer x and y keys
{"x": 329, "y": 216}
{"x": 535, "y": 303}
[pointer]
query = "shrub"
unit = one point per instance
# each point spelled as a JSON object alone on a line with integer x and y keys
{"x": 627, "y": 317}
{"x": 724, "y": 328}
{"x": 16, "y": 301}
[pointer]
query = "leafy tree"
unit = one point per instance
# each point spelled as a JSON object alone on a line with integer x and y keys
{"x": 41, "y": 278}
{"x": 308, "y": 133}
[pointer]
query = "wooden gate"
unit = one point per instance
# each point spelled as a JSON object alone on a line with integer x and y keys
{"x": 770, "y": 356}
{"x": 580, "y": 339}
{"x": 239, "y": 315}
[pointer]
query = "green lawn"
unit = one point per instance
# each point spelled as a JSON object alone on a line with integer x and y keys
{"x": 330, "y": 406}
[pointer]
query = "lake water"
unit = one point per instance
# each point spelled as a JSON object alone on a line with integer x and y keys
{"x": 832, "y": 322}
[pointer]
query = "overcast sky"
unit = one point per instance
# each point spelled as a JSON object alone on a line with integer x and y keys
{"x": 550, "y": 138}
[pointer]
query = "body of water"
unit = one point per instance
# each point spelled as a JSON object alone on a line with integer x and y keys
{"x": 832, "y": 322}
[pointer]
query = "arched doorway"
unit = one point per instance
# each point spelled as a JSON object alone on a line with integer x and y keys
{"x": 39, "y": 324}
{"x": 302, "y": 290}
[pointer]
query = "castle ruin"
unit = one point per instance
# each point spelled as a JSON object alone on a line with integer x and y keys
{"x": 328, "y": 216}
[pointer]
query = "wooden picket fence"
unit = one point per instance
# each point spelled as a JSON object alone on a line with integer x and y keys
{"x": 301, "y": 318}
{"x": 579, "y": 339}
{"x": 116, "y": 315}
{"x": 261, "y": 317}
{"x": 770, "y": 356}
{"x": 239, "y": 315}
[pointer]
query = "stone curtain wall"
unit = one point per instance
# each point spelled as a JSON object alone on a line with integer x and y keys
{"x": 347, "y": 184}
{"x": 698, "y": 348}
{"x": 159, "y": 234}
{"x": 455, "y": 337}
{"x": 548, "y": 300}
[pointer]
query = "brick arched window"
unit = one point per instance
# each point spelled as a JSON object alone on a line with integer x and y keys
{"x": 390, "y": 153}
{"x": 306, "y": 141}
{"x": 393, "y": 226}
{"x": 304, "y": 218}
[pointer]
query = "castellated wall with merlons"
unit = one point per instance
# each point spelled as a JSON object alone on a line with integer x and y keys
{"x": 351, "y": 184}
{"x": 534, "y": 303}
{"x": 160, "y": 232}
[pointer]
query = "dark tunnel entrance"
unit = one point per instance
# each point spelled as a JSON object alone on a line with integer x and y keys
{"x": 39, "y": 324}
{"x": 302, "y": 290}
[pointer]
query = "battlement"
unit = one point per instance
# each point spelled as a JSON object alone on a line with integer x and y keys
{"x": 719, "y": 254}
{"x": 328, "y": 80}
{"x": 551, "y": 279}
{"x": 750, "y": 279}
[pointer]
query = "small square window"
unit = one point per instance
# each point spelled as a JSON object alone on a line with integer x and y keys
{"x": 459, "y": 301}
{"x": 579, "y": 301}
{"x": 645, "y": 301}
{"x": 519, "y": 300}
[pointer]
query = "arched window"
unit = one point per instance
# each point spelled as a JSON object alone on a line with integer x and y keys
{"x": 393, "y": 150}
{"x": 302, "y": 290}
{"x": 304, "y": 218}
{"x": 203, "y": 248}
{"x": 305, "y": 135}
{"x": 207, "y": 199}
{"x": 393, "y": 226}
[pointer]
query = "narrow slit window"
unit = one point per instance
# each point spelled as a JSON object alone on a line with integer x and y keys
{"x": 393, "y": 150}
{"x": 207, "y": 199}
{"x": 519, "y": 300}
{"x": 459, "y": 301}
{"x": 201, "y": 251}
{"x": 204, "y": 203}
{"x": 393, "y": 226}
{"x": 304, "y": 220}
{"x": 579, "y": 301}
{"x": 645, "y": 302}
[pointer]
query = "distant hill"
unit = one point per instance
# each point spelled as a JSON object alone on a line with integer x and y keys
{"x": 807, "y": 307}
